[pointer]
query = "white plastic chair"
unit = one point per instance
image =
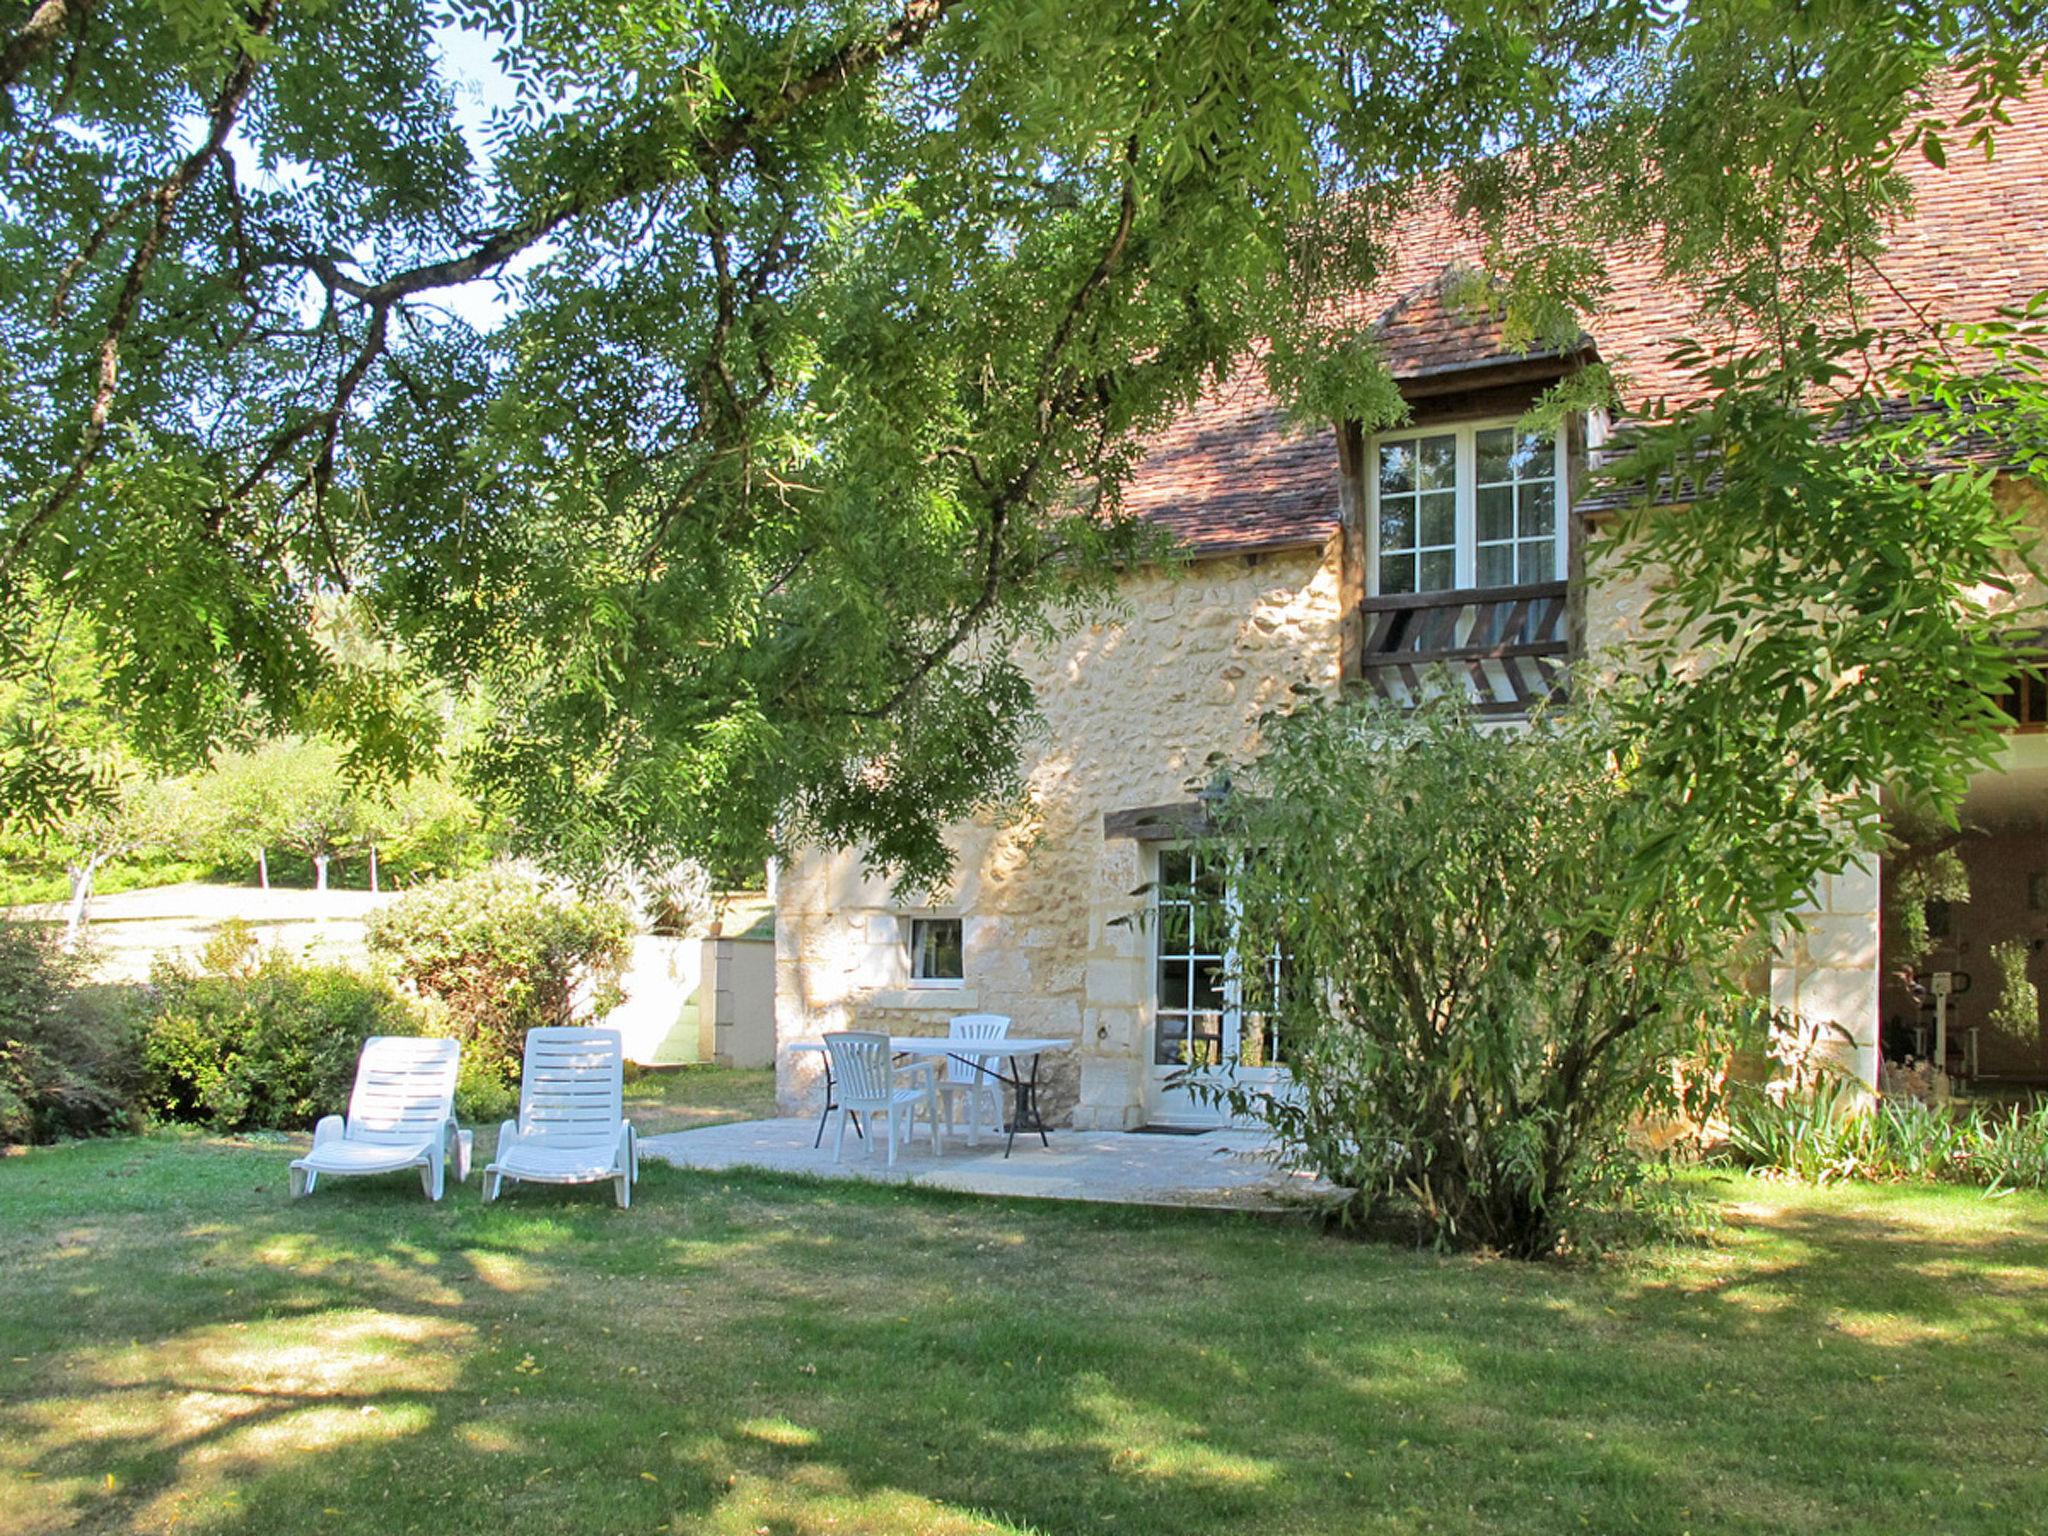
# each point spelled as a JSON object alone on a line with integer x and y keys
{"x": 401, "y": 1114}
{"x": 572, "y": 1126}
{"x": 970, "y": 1078}
{"x": 867, "y": 1084}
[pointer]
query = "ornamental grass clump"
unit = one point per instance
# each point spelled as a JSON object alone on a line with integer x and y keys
{"x": 1493, "y": 946}
{"x": 1830, "y": 1133}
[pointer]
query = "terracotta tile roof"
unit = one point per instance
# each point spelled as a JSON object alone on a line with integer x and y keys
{"x": 1231, "y": 475}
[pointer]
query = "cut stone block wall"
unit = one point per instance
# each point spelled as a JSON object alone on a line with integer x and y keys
{"x": 1828, "y": 976}
{"x": 1135, "y": 706}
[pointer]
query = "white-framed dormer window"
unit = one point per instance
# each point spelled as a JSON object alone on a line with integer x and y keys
{"x": 938, "y": 956}
{"x": 1473, "y": 505}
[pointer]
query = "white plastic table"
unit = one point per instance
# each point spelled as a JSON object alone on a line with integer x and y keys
{"x": 1024, "y": 1115}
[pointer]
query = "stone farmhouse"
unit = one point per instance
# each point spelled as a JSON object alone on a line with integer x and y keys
{"x": 1329, "y": 557}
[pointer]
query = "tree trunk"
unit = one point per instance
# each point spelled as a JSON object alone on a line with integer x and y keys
{"x": 320, "y": 871}
{"x": 373, "y": 869}
{"x": 263, "y": 868}
{"x": 81, "y": 897}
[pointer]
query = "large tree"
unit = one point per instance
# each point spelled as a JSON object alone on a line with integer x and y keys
{"x": 827, "y": 334}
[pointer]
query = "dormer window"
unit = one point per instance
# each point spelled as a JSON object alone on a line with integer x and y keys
{"x": 1466, "y": 506}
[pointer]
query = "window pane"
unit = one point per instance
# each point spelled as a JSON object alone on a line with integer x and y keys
{"x": 1397, "y": 574}
{"x": 1253, "y": 1049}
{"x": 1496, "y": 513}
{"x": 1440, "y": 518}
{"x": 935, "y": 949}
{"x": 1173, "y": 984}
{"x": 1496, "y": 565}
{"x": 1534, "y": 456}
{"x": 1539, "y": 560}
{"x": 1397, "y": 468}
{"x": 1538, "y": 506}
{"x": 1174, "y": 928}
{"x": 1209, "y": 984}
{"x": 1439, "y": 571}
{"x": 1437, "y": 463}
{"x": 1397, "y": 523}
{"x": 1169, "y": 1041}
{"x": 1176, "y": 872}
{"x": 1496, "y": 452}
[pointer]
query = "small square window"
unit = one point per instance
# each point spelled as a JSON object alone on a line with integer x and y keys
{"x": 936, "y": 952}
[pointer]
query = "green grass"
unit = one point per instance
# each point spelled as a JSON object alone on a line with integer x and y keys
{"x": 661, "y": 1099}
{"x": 181, "y": 1348}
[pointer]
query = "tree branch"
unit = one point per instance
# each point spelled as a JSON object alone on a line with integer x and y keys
{"x": 220, "y": 122}
{"x": 1023, "y": 485}
{"x": 1105, "y": 269}
{"x": 855, "y": 57}
{"x": 42, "y": 28}
{"x": 742, "y": 129}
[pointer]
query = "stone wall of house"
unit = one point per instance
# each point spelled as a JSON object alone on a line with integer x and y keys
{"x": 1825, "y": 972}
{"x": 1135, "y": 706}
{"x": 1615, "y": 604}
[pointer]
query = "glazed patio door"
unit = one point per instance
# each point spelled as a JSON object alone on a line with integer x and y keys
{"x": 1200, "y": 1021}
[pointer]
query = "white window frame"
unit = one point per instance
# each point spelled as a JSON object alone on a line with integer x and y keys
{"x": 1231, "y": 1016}
{"x": 1466, "y": 557}
{"x": 911, "y": 948}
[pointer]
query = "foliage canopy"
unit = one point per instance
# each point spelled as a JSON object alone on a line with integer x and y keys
{"x": 817, "y": 324}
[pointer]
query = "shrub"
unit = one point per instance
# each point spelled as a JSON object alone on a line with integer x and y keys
{"x": 67, "y": 1066}
{"x": 258, "y": 1040}
{"x": 505, "y": 951}
{"x": 1474, "y": 1012}
{"x": 483, "y": 1093}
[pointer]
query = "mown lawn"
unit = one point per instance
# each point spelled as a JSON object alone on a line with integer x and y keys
{"x": 663, "y": 1099}
{"x": 186, "y": 1350}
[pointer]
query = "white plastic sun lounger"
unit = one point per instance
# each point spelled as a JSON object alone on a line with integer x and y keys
{"x": 572, "y": 1126}
{"x": 401, "y": 1114}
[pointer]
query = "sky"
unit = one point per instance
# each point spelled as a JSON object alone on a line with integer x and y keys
{"x": 468, "y": 60}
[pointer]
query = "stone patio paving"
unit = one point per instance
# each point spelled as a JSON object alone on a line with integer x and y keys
{"x": 1226, "y": 1169}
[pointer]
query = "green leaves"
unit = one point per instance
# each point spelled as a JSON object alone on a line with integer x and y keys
{"x": 817, "y": 325}
{"x": 1503, "y": 945}
{"x": 1837, "y": 601}
{"x": 809, "y": 331}
{"x": 505, "y": 951}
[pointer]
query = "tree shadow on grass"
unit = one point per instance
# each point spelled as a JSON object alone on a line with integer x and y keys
{"x": 744, "y": 1352}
